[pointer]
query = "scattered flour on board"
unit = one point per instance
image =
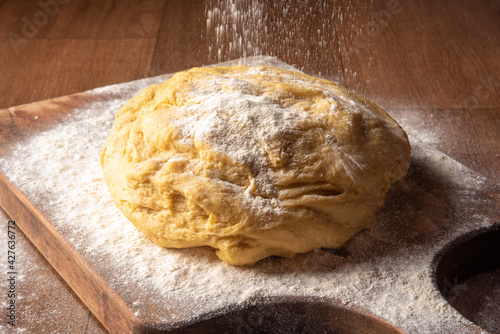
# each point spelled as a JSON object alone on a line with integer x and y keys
{"x": 35, "y": 300}
{"x": 58, "y": 170}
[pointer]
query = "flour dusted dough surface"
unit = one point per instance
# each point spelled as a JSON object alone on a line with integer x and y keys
{"x": 253, "y": 161}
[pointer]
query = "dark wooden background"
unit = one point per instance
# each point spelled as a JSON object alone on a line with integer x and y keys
{"x": 437, "y": 62}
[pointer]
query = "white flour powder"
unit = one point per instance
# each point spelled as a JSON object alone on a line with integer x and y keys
{"x": 386, "y": 271}
{"x": 242, "y": 28}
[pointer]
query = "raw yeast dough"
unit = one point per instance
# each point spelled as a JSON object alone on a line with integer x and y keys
{"x": 252, "y": 161}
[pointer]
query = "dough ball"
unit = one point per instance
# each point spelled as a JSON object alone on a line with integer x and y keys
{"x": 252, "y": 161}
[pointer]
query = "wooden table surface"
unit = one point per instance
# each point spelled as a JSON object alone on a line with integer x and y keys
{"x": 438, "y": 61}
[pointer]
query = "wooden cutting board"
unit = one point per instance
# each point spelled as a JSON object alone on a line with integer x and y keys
{"x": 437, "y": 227}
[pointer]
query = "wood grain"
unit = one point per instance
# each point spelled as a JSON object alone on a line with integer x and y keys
{"x": 53, "y": 300}
{"x": 438, "y": 61}
{"x": 478, "y": 145}
{"x": 301, "y": 33}
{"x": 88, "y": 286}
{"x": 92, "y": 289}
{"x": 112, "y": 309}
{"x": 470, "y": 137}
{"x": 439, "y": 55}
{"x": 109, "y": 61}
{"x": 83, "y": 19}
{"x": 81, "y": 45}
{"x": 180, "y": 42}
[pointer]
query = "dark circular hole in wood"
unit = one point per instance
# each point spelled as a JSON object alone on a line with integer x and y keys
{"x": 295, "y": 315}
{"x": 467, "y": 271}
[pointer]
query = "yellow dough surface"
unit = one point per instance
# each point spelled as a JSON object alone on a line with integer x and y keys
{"x": 252, "y": 161}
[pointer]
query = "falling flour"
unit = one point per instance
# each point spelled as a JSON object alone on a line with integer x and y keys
{"x": 243, "y": 28}
{"x": 386, "y": 270}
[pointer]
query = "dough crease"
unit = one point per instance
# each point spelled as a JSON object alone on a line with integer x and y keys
{"x": 253, "y": 161}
